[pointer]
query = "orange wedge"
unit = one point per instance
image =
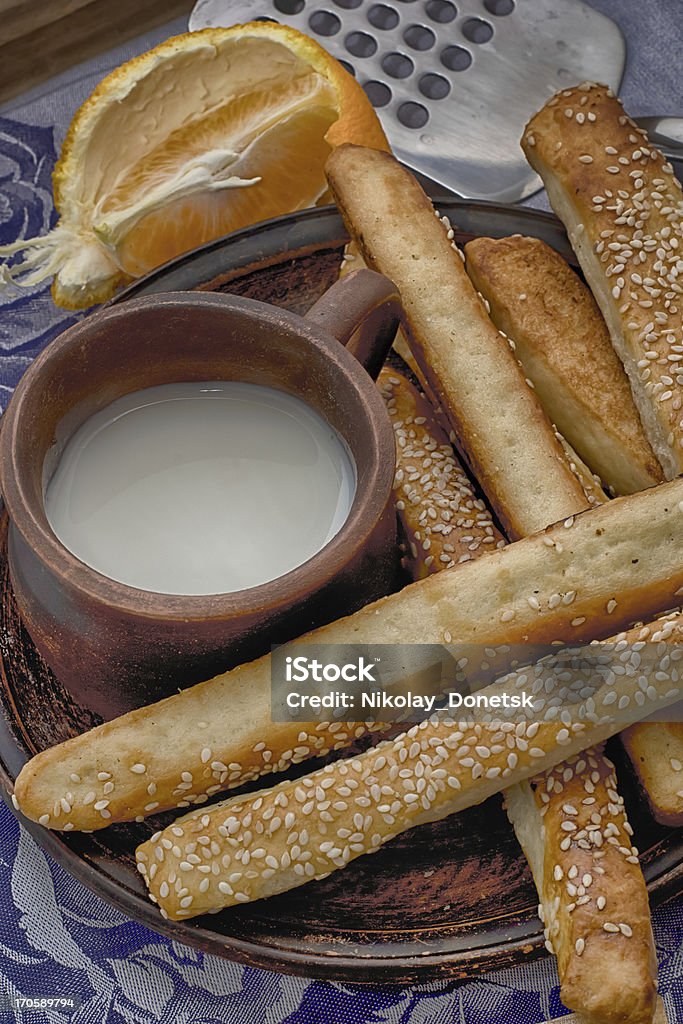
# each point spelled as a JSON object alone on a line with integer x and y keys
{"x": 209, "y": 132}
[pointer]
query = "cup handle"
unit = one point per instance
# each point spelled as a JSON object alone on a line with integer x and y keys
{"x": 362, "y": 311}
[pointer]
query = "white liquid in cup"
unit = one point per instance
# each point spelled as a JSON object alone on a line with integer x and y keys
{"x": 201, "y": 488}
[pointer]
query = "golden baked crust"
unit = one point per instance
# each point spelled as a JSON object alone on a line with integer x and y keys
{"x": 622, "y": 207}
{"x": 620, "y": 918}
{"x": 563, "y": 344}
{"x": 499, "y": 424}
{"x": 656, "y": 752}
{"x": 593, "y": 896}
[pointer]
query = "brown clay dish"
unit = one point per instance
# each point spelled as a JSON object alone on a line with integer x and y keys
{"x": 115, "y": 647}
{"x": 447, "y": 900}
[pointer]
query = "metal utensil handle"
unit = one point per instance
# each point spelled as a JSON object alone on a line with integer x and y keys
{"x": 666, "y": 133}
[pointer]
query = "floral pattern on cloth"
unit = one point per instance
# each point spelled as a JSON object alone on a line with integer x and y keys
{"x": 28, "y": 317}
{"x": 59, "y": 939}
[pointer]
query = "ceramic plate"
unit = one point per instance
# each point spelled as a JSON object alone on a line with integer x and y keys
{"x": 445, "y": 900}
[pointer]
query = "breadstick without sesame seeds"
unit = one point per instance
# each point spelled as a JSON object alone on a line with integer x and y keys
{"x": 499, "y": 424}
{"x": 562, "y": 343}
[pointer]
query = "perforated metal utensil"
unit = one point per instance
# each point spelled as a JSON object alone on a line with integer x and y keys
{"x": 454, "y": 83}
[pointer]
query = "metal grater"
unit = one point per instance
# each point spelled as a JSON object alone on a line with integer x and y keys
{"x": 453, "y": 83}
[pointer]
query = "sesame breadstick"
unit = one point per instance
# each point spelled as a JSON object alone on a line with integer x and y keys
{"x": 465, "y": 362}
{"x": 499, "y": 424}
{"x": 623, "y": 210}
{"x": 562, "y": 342}
{"x": 572, "y": 825}
{"x": 584, "y": 577}
{"x": 256, "y": 845}
{"x": 636, "y": 958}
{"x": 443, "y": 519}
{"x": 625, "y": 960}
{"x": 574, "y": 869}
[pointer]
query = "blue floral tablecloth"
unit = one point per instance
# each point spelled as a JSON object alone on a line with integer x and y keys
{"x": 57, "y": 938}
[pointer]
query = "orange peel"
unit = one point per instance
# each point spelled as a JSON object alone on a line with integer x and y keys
{"x": 207, "y": 133}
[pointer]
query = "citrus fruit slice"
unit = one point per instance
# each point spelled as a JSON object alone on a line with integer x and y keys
{"x": 205, "y": 134}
